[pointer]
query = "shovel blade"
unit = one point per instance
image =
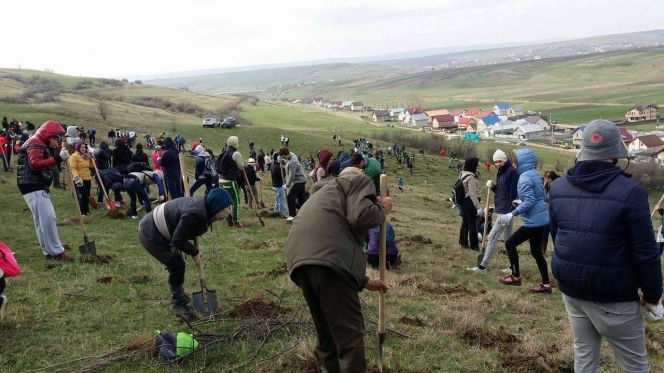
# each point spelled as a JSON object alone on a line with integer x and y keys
{"x": 201, "y": 305}
{"x": 380, "y": 350}
{"x": 110, "y": 206}
{"x": 89, "y": 248}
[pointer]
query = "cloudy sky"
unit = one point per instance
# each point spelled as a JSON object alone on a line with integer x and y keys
{"x": 122, "y": 37}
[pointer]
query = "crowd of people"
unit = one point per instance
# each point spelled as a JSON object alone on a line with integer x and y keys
{"x": 343, "y": 210}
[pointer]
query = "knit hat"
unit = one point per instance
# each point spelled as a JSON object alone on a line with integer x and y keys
{"x": 217, "y": 200}
{"x": 601, "y": 140}
{"x": 78, "y": 145}
{"x": 499, "y": 155}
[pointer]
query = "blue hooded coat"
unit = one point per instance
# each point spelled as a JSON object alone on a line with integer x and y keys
{"x": 530, "y": 189}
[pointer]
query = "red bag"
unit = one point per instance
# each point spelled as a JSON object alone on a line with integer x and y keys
{"x": 7, "y": 262}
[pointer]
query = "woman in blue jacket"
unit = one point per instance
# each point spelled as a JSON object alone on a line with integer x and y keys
{"x": 534, "y": 217}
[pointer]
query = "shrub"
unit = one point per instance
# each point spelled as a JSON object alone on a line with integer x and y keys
{"x": 138, "y": 81}
{"x": 430, "y": 144}
{"x": 649, "y": 174}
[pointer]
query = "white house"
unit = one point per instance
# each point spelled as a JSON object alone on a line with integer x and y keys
{"x": 505, "y": 127}
{"x": 534, "y": 119}
{"x": 381, "y": 115}
{"x": 396, "y": 112}
{"x": 501, "y": 108}
{"x": 345, "y": 104}
{"x": 529, "y": 132}
{"x": 356, "y": 106}
{"x": 577, "y": 136}
{"x": 417, "y": 120}
{"x": 652, "y": 143}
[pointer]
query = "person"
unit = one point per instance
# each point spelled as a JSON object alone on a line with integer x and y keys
{"x": 251, "y": 145}
{"x": 250, "y": 171}
{"x": 486, "y": 220}
{"x": 135, "y": 184}
{"x": 549, "y": 178}
{"x": 400, "y": 184}
{"x": 442, "y": 153}
{"x": 4, "y": 149}
{"x": 505, "y": 191}
{"x": 92, "y": 136}
{"x": 282, "y": 140}
{"x": 103, "y": 156}
{"x": 121, "y": 156}
{"x": 296, "y": 181}
{"x": 203, "y": 174}
{"x": 531, "y": 206}
{"x": 179, "y": 143}
{"x": 131, "y": 136}
{"x": 80, "y": 164}
{"x": 320, "y": 170}
{"x": 487, "y": 164}
{"x": 332, "y": 271}
{"x": 261, "y": 160}
{"x": 156, "y": 154}
{"x": 229, "y": 166}
{"x": 373, "y": 170}
{"x": 57, "y": 170}
{"x": 278, "y": 185}
{"x": 111, "y": 136}
{"x": 140, "y": 156}
{"x": 470, "y": 206}
{"x": 33, "y": 177}
{"x": 169, "y": 162}
{"x": 373, "y": 247}
{"x": 165, "y": 233}
{"x": 605, "y": 252}
{"x": 286, "y": 141}
{"x": 339, "y": 140}
{"x": 409, "y": 163}
{"x": 113, "y": 181}
{"x": 334, "y": 139}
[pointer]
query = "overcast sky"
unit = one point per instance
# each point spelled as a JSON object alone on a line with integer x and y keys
{"x": 122, "y": 37}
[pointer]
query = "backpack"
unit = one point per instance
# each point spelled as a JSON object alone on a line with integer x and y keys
{"x": 458, "y": 193}
{"x": 8, "y": 263}
{"x": 112, "y": 175}
{"x": 170, "y": 345}
{"x": 210, "y": 167}
{"x": 138, "y": 167}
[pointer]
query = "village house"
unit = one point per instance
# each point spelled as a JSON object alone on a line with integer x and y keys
{"x": 535, "y": 119}
{"x": 625, "y": 135}
{"x": 408, "y": 112}
{"x": 472, "y": 112}
{"x": 515, "y": 111}
{"x": 529, "y": 132}
{"x": 396, "y": 112}
{"x": 651, "y": 143}
{"x": 318, "y": 101}
{"x": 472, "y": 127}
{"x": 642, "y": 112}
{"x": 416, "y": 120}
{"x": 432, "y": 113}
{"x": 345, "y": 105}
{"x": 486, "y": 122}
{"x": 356, "y": 106}
{"x": 465, "y": 122}
{"x": 484, "y": 114}
{"x": 381, "y": 115}
{"x": 458, "y": 114}
{"x": 503, "y": 128}
{"x": 501, "y": 108}
{"x": 577, "y": 136}
{"x": 443, "y": 122}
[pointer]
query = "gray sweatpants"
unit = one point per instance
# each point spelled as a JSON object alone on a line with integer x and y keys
{"x": 620, "y": 323}
{"x": 43, "y": 214}
{"x": 496, "y": 230}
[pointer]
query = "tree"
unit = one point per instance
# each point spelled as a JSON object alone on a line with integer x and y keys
{"x": 103, "y": 106}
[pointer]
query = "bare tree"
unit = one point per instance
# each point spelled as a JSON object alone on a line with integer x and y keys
{"x": 103, "y": 106}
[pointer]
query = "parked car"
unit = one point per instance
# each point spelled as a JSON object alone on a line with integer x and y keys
{"x": 227, "y": 123}
{"x": 211, "y": 122}
{"x": 232, "y": 120}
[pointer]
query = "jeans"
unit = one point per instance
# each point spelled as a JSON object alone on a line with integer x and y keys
{"x": 492, "y": 243}
{"x": 174, "y": 186}
{"x": 534, "y": 236}
{"x": 135, "y": 189}
{"x": 620, "y": 323}
{"x": 279, "y": 202}
{"x": 199, "y": 182}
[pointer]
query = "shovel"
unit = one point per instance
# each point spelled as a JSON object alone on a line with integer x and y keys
{"x": 110, "y": 205}
{"x": 380, "y": 334}
{"x": 205, "y": 301}
{"x": 486, "y": 225}
{"x": 185, "y": 179}
{"x": 258, "y": 214}
{"x": 89, "y": 247}
{"x": 260, "y": 191}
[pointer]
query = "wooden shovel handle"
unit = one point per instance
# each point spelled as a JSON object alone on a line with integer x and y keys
{"x": 101, "y": 182}
{"x": 78, "y": 207}
{"x": 382, "y": 259}
{"x": 486, "y": 219}
{"x": 201, "y": 276}
{"x": 654, "y": 210}
{"x": 184, "y": 174}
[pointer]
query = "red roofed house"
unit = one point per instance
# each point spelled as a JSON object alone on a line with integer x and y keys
{"x": 652, "y": 143}
{"x": 318, "y": 101}
{"x": 458, "y": 114}
{"x": 472, "y": 112}
{"x": 443, "y": 122}
{"x": 433, "y": 113}
{"x": 626, "y": 136}
{"x": 485, "y": 113}
{"x": 465, "y": 122}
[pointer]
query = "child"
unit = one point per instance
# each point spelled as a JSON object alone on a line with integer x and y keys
{"x": 373, "y": 247}
{"x": 400, "y": 184}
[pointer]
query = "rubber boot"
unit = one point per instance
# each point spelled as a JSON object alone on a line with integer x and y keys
{"x": 179, "y": 303}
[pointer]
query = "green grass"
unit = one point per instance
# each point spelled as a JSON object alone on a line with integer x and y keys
{"x": 81, "y": 315}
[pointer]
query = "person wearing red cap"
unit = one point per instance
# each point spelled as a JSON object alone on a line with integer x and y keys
{"x": 34, "y": 175}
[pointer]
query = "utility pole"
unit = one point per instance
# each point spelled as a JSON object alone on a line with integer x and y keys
{"x": 553, "y": 139}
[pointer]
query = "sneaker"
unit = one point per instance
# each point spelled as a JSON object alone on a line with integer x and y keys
{"x": 230, "y": 223}
{"x": 181, "y": 308}
{"x": 290, "y": 218}
{"x": 134, "y": 217}
{"x": 510, "y": 280}
{"x": 62, "y": 257}
{"x": 507, "y": 270}
{"x": 3, "y": 305}
{"x": 477, "y": 269}
{"x": 100, "y": 206}
{"x": 545, "y": 289}
{"x": 238, "y": 225}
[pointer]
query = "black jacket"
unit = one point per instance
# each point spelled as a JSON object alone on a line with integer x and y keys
{"x": 139, "y": 156}
{"x": 121, "y": 156}
{"x": 170, "y": 160}
{"x": 103, "y": 156}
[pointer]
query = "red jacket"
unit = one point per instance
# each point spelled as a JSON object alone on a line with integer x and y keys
{"x": 36, "y": 161}
{"x": 4, "y": 145}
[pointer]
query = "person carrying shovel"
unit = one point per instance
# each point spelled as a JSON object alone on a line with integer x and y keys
{"x": 331, "y": 272}
{"x": 166, "y": 231}
{"x": 33, "y": 177}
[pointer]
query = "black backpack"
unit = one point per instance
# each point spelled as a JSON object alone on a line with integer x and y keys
{"x": 458, "y": 192}
{"x": 138, "y": 167}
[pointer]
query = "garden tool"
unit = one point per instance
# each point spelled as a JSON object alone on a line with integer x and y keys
{"x": 89, "y": 247}
{"x": 205, "y": 301}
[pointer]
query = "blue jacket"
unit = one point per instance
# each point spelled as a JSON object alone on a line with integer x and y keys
{"x": 605, "y": 248}
{"x": 505, "y": 189}
{"x": 530, "y": 189}
{"x": 344, "y": 159}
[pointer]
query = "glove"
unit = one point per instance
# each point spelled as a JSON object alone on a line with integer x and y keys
{"x": 78, "y": 181}
{"x": 505, "y": 219}
{"x": 654, "y": 312}
{"x": 480, "y": 213}
{"x": 516, "y": 202}
{"x": 64, "y": 154}
{"x": 284, "y": 187}
{"x": 490, "y": 184}
{"x": 161, "y": 198}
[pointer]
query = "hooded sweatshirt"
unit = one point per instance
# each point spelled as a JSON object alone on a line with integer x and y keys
{"x": 103, "y": 156}
{"x": 35, "y": 160}
{"x": 170, "y": 160}
{"x": 320, "y": 171}
{"x": 471, "y": 186}
{"x": 605, "y": 248}
{"x": 530, "y": 189}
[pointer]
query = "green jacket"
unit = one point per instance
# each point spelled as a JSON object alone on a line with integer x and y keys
{"x": 332, "y": 226}
{"x": 373, "y": 170}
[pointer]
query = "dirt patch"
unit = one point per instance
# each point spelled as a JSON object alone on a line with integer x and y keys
{"x": 277, "y": 271}
{"x": 399, "y": 369}
{"x": 416, "y": 239}
{"x": 271, "y": 214}
{"x": 105, "y": 280}
{"x": 256, "y": 245}
{"x": 301, "y": 365}
{"x": 139, "y": 279}
{"x": 412, "y": 320}
{"x": 99, "y": 259}
{"x": 116, "y": 215}
{"x": 522, "y": 362}
{"x": 257, "y": 307}
{"x": 485, "y": 339}
{"x": 654, "y": 341}
{"x": 448, "y": 289}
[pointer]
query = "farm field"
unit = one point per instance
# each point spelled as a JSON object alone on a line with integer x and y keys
{"x": 102, "y": 316}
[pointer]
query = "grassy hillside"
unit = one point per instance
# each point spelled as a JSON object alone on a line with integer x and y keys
{"x": 102, "y": 317}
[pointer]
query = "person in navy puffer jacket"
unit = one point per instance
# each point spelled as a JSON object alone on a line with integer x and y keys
{"x": 605, "y": 251}
{"x": 534, "y": 216}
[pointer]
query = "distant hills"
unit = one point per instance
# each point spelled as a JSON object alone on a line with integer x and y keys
{"x": 277, "y": 79}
